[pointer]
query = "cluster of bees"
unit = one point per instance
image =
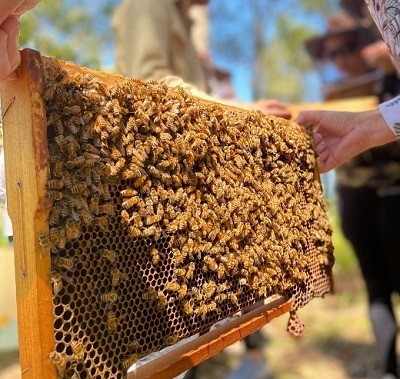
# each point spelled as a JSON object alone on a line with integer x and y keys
{"x": 235, "y": 191}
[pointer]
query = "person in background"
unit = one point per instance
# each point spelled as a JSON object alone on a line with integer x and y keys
{"x": 340, "y": 136}
{"x": 368, "y": 185}
{"x": 153, "y": 42}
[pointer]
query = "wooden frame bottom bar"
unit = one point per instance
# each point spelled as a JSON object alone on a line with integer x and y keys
{"x": 205, "y": 346}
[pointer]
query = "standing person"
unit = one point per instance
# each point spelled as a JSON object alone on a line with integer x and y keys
{"x": 339, "y": 136}
{"x": 153, "y": 42}
{"x": 368, "y": 188}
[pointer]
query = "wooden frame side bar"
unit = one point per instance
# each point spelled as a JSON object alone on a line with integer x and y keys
{"x": 26, "y": 164}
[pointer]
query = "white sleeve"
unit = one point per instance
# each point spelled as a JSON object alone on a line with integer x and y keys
{"x": 390, "y": 111}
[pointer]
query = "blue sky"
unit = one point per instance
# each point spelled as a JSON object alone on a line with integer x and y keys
{"x": 238, "y": 19}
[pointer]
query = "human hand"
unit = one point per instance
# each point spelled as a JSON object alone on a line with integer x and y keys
{"x": 377, "y": 55}
{"x": 340, "y": 136}
{"x": 271, "y": 107}
{"x": 10, "y": 11}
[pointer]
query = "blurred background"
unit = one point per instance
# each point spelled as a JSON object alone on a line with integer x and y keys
{"x": 252, "y": 50}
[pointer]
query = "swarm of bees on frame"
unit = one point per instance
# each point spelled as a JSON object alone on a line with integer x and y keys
{"x": 229, "y": 195}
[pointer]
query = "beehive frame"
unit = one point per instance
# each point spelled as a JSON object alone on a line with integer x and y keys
{"x": 27, "y": 163}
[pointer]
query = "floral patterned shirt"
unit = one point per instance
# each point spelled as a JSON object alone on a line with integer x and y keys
{"x": 386, "y": 14}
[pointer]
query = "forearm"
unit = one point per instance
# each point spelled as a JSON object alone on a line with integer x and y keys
{"x": 390, "y": 111}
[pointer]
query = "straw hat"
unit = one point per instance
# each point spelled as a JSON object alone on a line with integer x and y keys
{"x": 339, "y": 25}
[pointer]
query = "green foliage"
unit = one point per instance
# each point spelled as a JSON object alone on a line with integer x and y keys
{"x": 77, "y": 31}
{"x": 268, "y": 36}
{"x": 3, "y": 238}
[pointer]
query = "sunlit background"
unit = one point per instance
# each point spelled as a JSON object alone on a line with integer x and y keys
{"x": 261, "y": 44}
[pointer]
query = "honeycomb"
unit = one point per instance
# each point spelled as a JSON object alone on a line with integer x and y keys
{"x": 170, "y": 213}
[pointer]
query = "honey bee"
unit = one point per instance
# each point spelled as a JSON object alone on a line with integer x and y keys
{"x": 136, "y": 218}
{"x": 119, "y": 165}
{"x": 101, "y": 222}
{"x": 107, "y": 208}
{"x": 72, "y": 229}
{"x": 209, "y": 264}
{"x": 181, "y": 293}
{"x": 155, "y": 254}
{"x": 76, "y": 162}
{"x": 106, "y": 192}
{"x": 116, "y": 276}
{"x": 130, "y": 202}
{"x": 128, "y": 192}
{"x": 233, "y": 298}
{"x": 55, "y": 184}
{"x": 223, "y": 287}
{"x": 195, "y": 292}
{"x": 125, "y": 217}
{"x": 78, "y": 350}
{"x": 126, "y": 363}
{"x": 44, "y": 241}
{"x": 180, "y": 255}
{"x": 221, "y": 271}
{"x": 150, "y": 294}
{"x": 60, "y": 361}
{"x": 209, "y": 289}
{"x": 161, "y": 301}
{"x": 112, "y": 321}
{"x": 219, "y": 298}
{"x": 94, "y": 204}
{"x": 57, "y": 236}
{"x": 66, "y": 263}
{"x": 135, "y": 232}
{"x": 74, "y": 109}
{"x": 172, "y": 339}
{"x": 86, "y": 217}
{"x": 58, "y": 169}
{"x": 180, "y": 272}
{"x": 190, "y": 270}
{"x": 201, "y": 310}
{"x": 56, "y": 280}
{"x": 152, "y": 219}
{"x": 115, "y": 152}
{"x": 109, "y": 297}
{"x": 110, "y": 255}
{"x": 172, "y": 286}
{"x": 133, "y": 345}
{"x": 150, "y": 231}
{"x": 211, "y": 306}
{"x": 212, "y": 235}
{"x": 54, "y": 195}
{"x": 139, "y": 182}
{"x": 187, "y": 307}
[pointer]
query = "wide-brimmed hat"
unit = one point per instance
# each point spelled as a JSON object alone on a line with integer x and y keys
{"x": 338, "y": 25}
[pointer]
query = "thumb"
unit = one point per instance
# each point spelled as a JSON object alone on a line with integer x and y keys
{"x": 309, "y": 117}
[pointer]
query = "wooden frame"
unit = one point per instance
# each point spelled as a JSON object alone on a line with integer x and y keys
{"x": 25, "y": 145}
{"x": 26, "y": 160}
